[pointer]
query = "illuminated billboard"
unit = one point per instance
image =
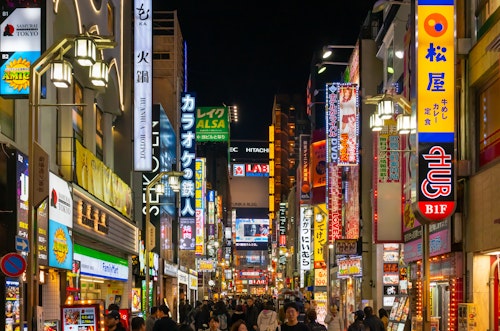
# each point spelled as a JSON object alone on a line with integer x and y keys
{"x": 252, "y": 234}
{"x": 436, "y": 84}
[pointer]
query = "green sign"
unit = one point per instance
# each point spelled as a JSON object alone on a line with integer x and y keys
{"x": 212, "y": 124}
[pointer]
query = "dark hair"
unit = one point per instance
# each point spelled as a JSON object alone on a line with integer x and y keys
{"x": 311, "y": 315}
{"x": 215, "y": 318}
{"x": 382, "y": 312}
{"x": 236, "y": 325}
{"x": 137, "y": 323}
{"x": 269, "y": 305}
{"x": 164, "y": 309}
{"x": 368, "y": 311}
{"x": 113, "y": 306}
{"x": 291, "y": 305}
{"x": 153, "y": 310}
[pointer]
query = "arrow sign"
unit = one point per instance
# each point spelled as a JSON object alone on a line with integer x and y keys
{"x": 22, "y": 245}
{"x": 13, "y": 264}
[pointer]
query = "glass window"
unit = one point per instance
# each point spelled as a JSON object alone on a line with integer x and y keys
{"x": 489, "y": 123}
{"x": 485, "y": 9}
{"x": 78, "y": 112}
{"x": 7, "y": 117}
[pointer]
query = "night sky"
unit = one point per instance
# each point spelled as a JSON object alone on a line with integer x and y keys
{"x": 244, "y": 52}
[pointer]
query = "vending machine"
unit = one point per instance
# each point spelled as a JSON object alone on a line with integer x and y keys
{"x": 83, "y": 317}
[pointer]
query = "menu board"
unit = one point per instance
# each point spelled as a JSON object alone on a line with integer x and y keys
{"x": 399, "y": 314}
{"x": 79, "y": 318}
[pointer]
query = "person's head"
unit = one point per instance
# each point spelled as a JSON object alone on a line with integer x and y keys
{"x": 111, "y": 319}
{"x": 185, "y": 327}
{"x": 213, "y": 323}
{"x": 163, "y": 310}
{"x": 269, "y": 305}
{"x": 154, "y": 311}
{"x": 359, "y": 315}
{"x": 138, "y": 324}
{"x": 382, "y": 312}
{"x": 368, "y": 311}
{"x": 253, "y": 229}
{"x": 250, "y": 302}
{"x": 292, "y": 313}
{"x": 311, "y": 315}
{"x": 307, "y": 305}
{"x": 113, "y": 306}
{"x": 239, "y": 326}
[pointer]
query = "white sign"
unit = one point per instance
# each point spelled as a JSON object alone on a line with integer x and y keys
{"x": 91, "y": 266}
{"x": 61, "y": 201}
{"x": 143, "y": 84}
{"x": 182, "y": 277}
{"x": 305, "y": 246}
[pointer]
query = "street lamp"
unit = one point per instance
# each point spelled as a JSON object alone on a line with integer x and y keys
{"x": 149, "y": 238}
{"x": 322, "y": 66}
{"x": 327, "y": 50}
{"x": 61, "y": 76}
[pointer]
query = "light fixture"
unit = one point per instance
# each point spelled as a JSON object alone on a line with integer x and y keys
{"x": 399, "y": 54}
{"x": 380, "y": 5}
{"x": 327, "y": 50}
{"x": 61, "y": 73}
{"x": 85, "y": 51}
{"x": 322, "y": 66}
{"x": 174, "y": 183}
{"x": 160, "y": 188}
{"x": 403, "y": 124}
{"x": 99, "y": 73}
{"x": 376, "y": 123}
{"x": 385, "y": 109}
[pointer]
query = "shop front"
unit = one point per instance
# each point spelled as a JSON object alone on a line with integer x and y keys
{"x": 170, "y": 286}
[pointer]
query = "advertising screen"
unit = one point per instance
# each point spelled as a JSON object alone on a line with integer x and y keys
{"x": 252, "y": 234}
{"x": 79, "y": 318}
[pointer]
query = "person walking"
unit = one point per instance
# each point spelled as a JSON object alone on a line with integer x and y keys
{"x": 268, "y": 318}
{"x": 237, "y": 315}
{"x": 358, "y": 324}
{"x": 312, "y": 324}
{"x": 384, "y": 317}
{"x": 164, "y": 322}
{"x": 292, "y": 323}
{"x": 151, "y": 319}
{"x": 372, "y": 321}
{"x": 222, "y": 314}
{"x": 138, "y": 324}
{"x": 112, "y": 321}
{"x": 333, "y": 319}
{"x": 213, "y": 324}
{"x": 251, "y": 315}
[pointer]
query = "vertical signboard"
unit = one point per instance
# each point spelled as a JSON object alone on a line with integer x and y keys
{"x": 282, "y": 225}
{"x": 320, "y": 234}
{"x": 342, "y": 123}
{"x": 187, "y": 160}
{"x": 334, "y": 195}
{"x": 306, "y": 214}
{"x": 305, "y": 168}
{"x": 143, "y": 83}
{"x": 435, "y": 109}
{"x": 199, "y": 203}
{"x": 20, "y": 45}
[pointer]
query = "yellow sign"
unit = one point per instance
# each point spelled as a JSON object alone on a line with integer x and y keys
{"x": 435, "y": 68}
{"x": 320, "y": 234}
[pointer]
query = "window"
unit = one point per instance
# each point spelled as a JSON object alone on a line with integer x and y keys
{"x": 7, "y": 117}
{"x": 485, "y": 9}
{"x": 99, "y": 132}
{"x": 78, "y": 112}
{"x": 489, "y": 122}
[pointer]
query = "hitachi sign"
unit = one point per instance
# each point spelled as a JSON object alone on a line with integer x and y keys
{"x": 259, "y": 150}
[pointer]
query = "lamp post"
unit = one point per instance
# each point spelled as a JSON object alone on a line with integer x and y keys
{"x": 173, "y": 182}
{"x": 61, "y": 76}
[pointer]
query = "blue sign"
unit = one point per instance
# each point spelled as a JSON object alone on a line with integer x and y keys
{"x": 22, "y": 244}
{"x": 60, "y": 246}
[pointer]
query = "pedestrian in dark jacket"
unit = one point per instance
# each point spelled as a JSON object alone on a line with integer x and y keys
{"x": 238, "y": 314}
{"x": 358, "y": 324}
{"x": 164, "y": 323}
{"x": 112, "y": 321}
{"x": 252, "y": 315}
{"x": 372, "y": 321}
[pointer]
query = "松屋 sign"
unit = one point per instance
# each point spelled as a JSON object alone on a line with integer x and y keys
{"x": 435, "y": 109}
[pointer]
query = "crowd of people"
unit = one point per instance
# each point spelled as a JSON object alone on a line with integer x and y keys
{"x": 248, "y": 315}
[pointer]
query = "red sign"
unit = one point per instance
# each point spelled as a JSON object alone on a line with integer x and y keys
{"x": 13, "y": 264}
